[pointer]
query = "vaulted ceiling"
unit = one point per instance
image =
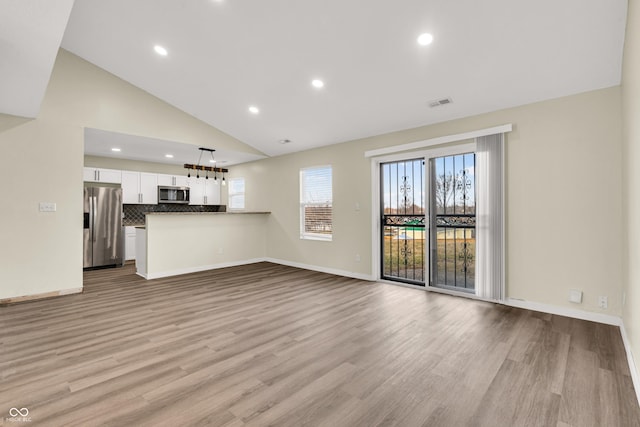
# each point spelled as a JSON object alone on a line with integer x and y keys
{"x": 224, "y": 56}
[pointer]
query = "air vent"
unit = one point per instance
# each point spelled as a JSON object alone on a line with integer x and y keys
{"x": 440, "y": 102}
{"x": 285, "y": 141}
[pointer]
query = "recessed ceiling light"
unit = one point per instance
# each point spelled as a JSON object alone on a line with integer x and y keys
{"x": 212, "y": 161}
{"x": 254, "y": 110}
{"x": 169, "y": 156}
{"x": 425, "y": 39}
{"x": 117, "y": 150}
{"x": 160, "y": 50}
{"x": 317, "y": 83}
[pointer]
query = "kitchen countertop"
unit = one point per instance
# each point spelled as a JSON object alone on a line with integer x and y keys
{"x": 209, "y": 213}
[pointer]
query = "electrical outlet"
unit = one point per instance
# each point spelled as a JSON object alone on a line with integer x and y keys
{"x": 220, "y": 251}
{"x": 47, "y": 207}
{"x": 575, "y": 296}
{"x": 602, "y": 302}
{"x": 357, "y": 257}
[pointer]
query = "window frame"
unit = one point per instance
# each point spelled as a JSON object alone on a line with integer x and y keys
{"x": 231, "y": 195}
{"x": 304, "y": 235}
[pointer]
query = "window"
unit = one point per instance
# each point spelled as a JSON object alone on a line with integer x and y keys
{"x": 236, "y": 193}
{"x": 316, "y": 203}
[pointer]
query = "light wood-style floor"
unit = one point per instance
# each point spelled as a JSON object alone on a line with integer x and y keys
{"x": 267, "y": 345}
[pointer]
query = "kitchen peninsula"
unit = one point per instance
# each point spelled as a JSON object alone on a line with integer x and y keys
{"x": 173, "y": 243}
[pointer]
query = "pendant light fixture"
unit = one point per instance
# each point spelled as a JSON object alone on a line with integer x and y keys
{"x": 198, "y": 167}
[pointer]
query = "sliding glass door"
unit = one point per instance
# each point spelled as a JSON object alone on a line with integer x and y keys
{"x": 428, "y": 218}
{"x": 403, "y": 221}
{"x": 453, "y": 222}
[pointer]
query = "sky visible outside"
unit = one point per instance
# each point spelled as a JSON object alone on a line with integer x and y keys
{"x": 414, "y": 171}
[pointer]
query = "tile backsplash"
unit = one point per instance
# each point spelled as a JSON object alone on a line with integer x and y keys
{"x": 134, "y": 214}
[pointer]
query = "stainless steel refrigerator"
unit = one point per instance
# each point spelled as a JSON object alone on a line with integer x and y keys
{"x": 103, "y": 231}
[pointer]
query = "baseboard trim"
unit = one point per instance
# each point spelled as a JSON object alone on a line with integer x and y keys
{"x": 632, "y": 365}
{"x": 327, "y": 270}
{"x": 198, "y": 269}
{"x": 563, "y": 311}
{"x": 45, "y": 295}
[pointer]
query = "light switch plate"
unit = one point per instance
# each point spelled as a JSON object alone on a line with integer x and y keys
{"x": 47, "y": 207}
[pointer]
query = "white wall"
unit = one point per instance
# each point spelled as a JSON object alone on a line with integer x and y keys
{"x": 41, "y": 160}
{"x": 631, "y": 179}
{"x": 40, "y": 252}
{"x": 563, "y": 202}
{"x": 273, "y": 185}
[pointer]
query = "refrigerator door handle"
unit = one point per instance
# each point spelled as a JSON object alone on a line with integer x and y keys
{"x": 94, "y": 206}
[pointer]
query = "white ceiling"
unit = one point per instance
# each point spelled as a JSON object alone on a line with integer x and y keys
{"x": 225, "y": 55}
{"x": 100, "y": 143}
{"x": 30, "y": 34}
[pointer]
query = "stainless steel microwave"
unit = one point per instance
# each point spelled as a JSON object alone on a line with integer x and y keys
{"x": 173, "y": 194}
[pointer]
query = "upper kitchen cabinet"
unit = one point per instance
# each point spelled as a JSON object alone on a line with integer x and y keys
{"x": 204, "y": 192}
{"x": 212, "y": 192}
{"x": 173, "y": 180}
{"x": 139, "y": 188}
{"x": 196, "y": 193}
{"x": 110, "y": 176}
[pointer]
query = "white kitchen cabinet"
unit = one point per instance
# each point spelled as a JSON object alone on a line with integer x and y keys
{"x": 149, "y": 188}
{"x": 181, "y": 181}
{"x": 139, "y": 188}
{"x": 204, "y": 192}
{"x": 212, "y": 192}
{"x": 141, "y": 252}
{"x": 173, "y": 180}
{"x": 110, "y": 176}
{"x": 130, "y": 187}
{"x": 196, "y": 191}
{"x": 129, "y": 243}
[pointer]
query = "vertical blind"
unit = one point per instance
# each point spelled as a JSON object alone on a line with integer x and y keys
{"x": 490, "y": 217}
